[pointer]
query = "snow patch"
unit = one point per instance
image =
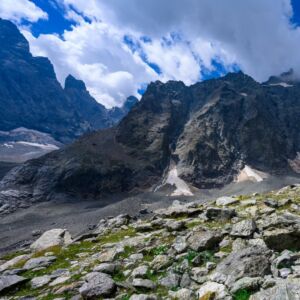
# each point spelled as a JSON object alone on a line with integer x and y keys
{"x": 249, "y": 174}
{"x": 283, "y": 84}
{"x": 182, "y": 189}
{"x": 49, "y": 147}
{"x": 295, "y": 163}
{"x": 8, "y": 145}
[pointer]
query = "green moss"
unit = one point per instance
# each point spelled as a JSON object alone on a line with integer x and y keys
{"x": 226, "y": 249}
{"x": 118, "y": 236}
{"x": 126, "y": 297}
{"x": 193, "y": 224}
{"x": 12, "y": 255}
{"x": 242, "y": 295}
{"x": 119, "y": 276}
{"x": 191, "y": 255}
{"x": 149, "y": 255}
{"x": 128, "y": 250}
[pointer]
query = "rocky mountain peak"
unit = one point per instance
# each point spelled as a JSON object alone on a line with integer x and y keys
{"x": 130, "y": 102}
{"x": 11, "y": 39}
{"x": 73, "y": 83}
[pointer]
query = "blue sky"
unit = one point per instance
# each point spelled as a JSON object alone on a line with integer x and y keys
{"x": 117, "y": 47}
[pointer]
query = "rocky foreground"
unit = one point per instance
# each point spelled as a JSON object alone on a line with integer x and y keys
{"x": 243, "y": 247}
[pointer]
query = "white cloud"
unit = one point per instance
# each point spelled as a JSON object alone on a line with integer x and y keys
{"x": 16, "y": 10}
{"x": 184, "y": 38}
{"x": 95, "y": 53}
{"x": 255, "y": 33}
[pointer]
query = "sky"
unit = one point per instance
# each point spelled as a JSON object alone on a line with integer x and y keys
{"x": 117, "y": 47}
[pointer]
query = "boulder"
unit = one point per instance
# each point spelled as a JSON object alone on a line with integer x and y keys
{"x": 51, "y": 238}
{"x": 213, "y": 290}
{"x": 111, "y": 223}
{"x": 108, "y": 268}
{"x": 40, "y": 281}
{"x": 10, "y": 281}
{"x": 182, "y": 294}
{"x": 180, "y": 244}
{"x": 288, "y": 289}
{"x": 204, "y": 240}
{"x": 140, "y": 272}
{"x": 282, "y": 238}
{"x": 12, "y": 262}
{"x": 173, "y": 225}
{"x": 39, "y": 262}
{"x": 224, "y": 201}
{"x": 243, "y": 228}
{"x": 170, "y": 281}
{"x": 143, "y": 284}
{"x": 178, "y": 209}
{"x": 216, "y": 213}
{"x": 247, "y": 283}
{"x": 161, "y": 262}
{"x": 97, "y": 285}
{"x": 252, "y": 261}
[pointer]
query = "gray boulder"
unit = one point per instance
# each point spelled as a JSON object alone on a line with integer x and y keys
{"x": 224, "y": 201}
{"x": 39, "y": 262}
{"x": 97, "y": 285}
{"x": 10, "y": 281}
{"x": 51, "y": 238}
{"x": 170, "y": 281}
{"x": 204, "y": 240}
{"x": 216, "y": 213}
{"x": 288, "y": 289}
{"x": 252, "y": 261}
{"x": 40, "y": 281}
{"x": 144, "y": 284}
{"x": 243, "y": 228}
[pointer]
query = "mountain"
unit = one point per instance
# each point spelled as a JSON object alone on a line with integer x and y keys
{"x": 202, "y": 136}
{"x": 32, "y": 98}
{"x": 90, "y": 110}
{"x": 118, "y": 113}
{"x": 30, "y": 95}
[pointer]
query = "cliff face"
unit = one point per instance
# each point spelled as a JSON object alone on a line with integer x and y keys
{"x": 210, "y": 131}
{"x": 89, "y": 109}
{"x": 31, "y": 97}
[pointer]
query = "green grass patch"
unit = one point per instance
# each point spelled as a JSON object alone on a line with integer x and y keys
{"x": 12, "y": 255}
{"x": 242, "y": 295}
{"x": 63, "y": 258}
{"x": 193, "y": 224}
{"x": 115, "y": 237}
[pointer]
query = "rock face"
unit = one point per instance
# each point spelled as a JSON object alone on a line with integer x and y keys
{"x": 210, "y": 131}
{"x": 31, "y": 96}
{"x": 92, "y": 111}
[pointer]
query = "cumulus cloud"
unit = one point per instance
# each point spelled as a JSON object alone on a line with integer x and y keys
{"x": 21, "y": 10}
{"x": 257, "y": 34}
{"x": 95, "y": 52}
{"x": 129, "y": 43}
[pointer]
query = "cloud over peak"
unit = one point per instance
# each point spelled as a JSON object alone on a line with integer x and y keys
{"x": 118, "y": 46}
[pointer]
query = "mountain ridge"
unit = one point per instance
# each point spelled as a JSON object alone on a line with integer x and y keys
{"x": 210, "y": 131}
